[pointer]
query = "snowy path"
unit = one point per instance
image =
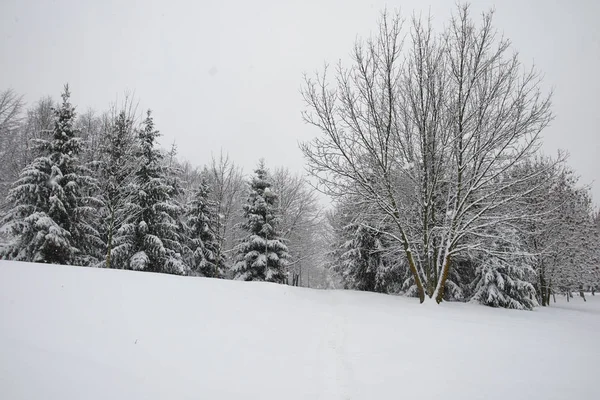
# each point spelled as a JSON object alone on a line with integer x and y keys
{"x": 336, "y": 370}
{"x": 71, "y": 333}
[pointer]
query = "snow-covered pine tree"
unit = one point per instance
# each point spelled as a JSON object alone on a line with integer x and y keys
{"x": 362, "y": 262}
{"x": 504, "y": 274}
{"x": 177, "y": 194}
{"x": 51, "y": 213}
{"x": 115, "y": 172}
{"x": 202, "y": 245}
{"x": 262, "y": 255}
{"x": 150, "y": 240}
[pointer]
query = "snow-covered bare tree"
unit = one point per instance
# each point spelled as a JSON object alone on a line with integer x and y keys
{"x": 227, "y": 188}
{"x": 11, "y": 108}
{"x": 571, "y": 261}
{"x": 559, "y": 232}
{"x": 38, "y": 124}
{"x": 262, "y": 254}
{"x": 90, "y": 125}
{"x": 428, "y": 135}
{"x": 300, "y": 222}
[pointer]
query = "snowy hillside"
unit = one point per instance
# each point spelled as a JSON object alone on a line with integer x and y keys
{"x": 83, "y": 333}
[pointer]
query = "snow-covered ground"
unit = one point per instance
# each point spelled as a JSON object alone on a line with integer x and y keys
{"x": 82, "y": 333}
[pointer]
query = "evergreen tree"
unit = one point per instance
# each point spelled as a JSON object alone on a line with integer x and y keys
{"x": 52, "y": 211}
{"x": 116, "y": 171}
{"x": 150, "y": 239}
{"x": 262, "y": 255}
{"x": 363, "y": 264}
{"x": 202, "y": 244}
{"x": 504, "y": 275}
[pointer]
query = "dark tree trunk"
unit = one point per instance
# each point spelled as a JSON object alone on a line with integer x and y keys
{"x": 543, "y": 291}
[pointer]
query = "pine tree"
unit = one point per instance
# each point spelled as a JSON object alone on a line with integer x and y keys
{"x": 116, "y": 171}
{"x": 52, "y": 210}
{"x": 150, "y": 239}
{"x": 202, "y": 246}
{"x": 504, "y": 275}
{"x": 262, "y": 255}
{"x": 363, "y": 262}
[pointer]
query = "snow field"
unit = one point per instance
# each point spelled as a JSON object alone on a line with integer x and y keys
{"x": 73, "y": 333}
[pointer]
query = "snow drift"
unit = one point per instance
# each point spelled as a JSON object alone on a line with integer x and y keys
{"x": 83, "y": 333}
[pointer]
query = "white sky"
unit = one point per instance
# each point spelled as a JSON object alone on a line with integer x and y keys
{"x": 226, "y": 74}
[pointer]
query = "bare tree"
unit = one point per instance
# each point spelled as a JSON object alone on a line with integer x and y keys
{"x": 429, "y": 135}
{"x": 300, "y": 222}
{"x": 227, "y": 189}
{"x": 11, "y": 108}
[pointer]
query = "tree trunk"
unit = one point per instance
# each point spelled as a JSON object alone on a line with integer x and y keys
{"x": 109, "y": 240}
{"x": 442, "y": 285}
{"x": 411, "y": 265}
{"x": 582, "y": 295}
{"x": 543, "y": 291}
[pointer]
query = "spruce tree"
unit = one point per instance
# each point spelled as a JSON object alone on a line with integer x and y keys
{"x": 51, "y": 215}
{"x": 150, "y": 239}
{"x": 202, "y": 244}
{"x": 115, "y": 171}
{"x": 362, "y": 262}
{"x": 262, "y": 255}
{"x": 504, "y": 274}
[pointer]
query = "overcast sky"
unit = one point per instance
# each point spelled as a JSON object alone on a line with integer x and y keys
{"x": 226, "y": 74}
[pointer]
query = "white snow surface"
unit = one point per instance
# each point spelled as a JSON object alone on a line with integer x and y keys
{"x": 83, "y": 333}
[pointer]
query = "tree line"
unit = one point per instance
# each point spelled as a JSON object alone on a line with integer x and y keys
{"x": 429, "y": 147}
{"x": 98, "y": 191}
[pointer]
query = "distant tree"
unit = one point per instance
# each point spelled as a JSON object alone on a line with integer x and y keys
{"x": 11, "y": 107}
{"x": 226, "y": 183}
{"x": 91, "y": 127}
{"x": 300, "y": 224}
{"x": 150, "y": 239}
{"x": 51, "y": 215}
{"x": 262, "y": 255}
{"x": 38, "y": 124}
{"x": 560, "y": 231}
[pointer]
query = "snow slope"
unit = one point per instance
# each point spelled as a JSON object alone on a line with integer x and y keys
{"x": 82, "y": 333}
